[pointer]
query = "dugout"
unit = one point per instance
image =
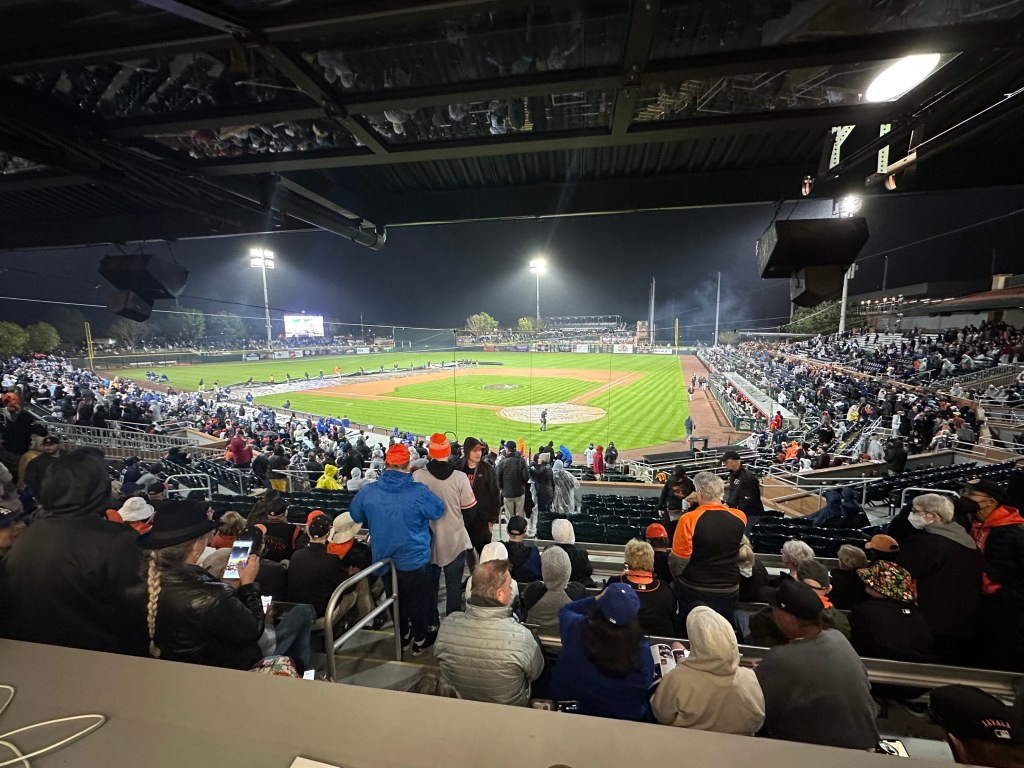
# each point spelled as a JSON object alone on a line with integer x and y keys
{"x": 420, "y": 339}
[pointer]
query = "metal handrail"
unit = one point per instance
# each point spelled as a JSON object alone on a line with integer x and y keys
{"x": 331, "y": 645}
{"x": 1003, "y": 685}
{"x": 185, "y": 490}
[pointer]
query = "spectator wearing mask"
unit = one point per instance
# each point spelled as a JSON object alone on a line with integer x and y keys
{"x": 542, "y": 600}
{"x": 946, "y": 567}
{"x": 75, "y": 578}
{"x": 513, "y": 477}
{"x": 847, "y": 587}
{"x": 484, "y": 653}
{"x": 450, "y": 538}
{"x": 705, "y": 550}
{"x": 708, "y": 690}
{"x": 198, "y": 619}
{"x": 484, "y": 482}
{"x": 657, "y": 613}
{"x": 815, "y": 687}
{"x": 524, "y": 559}
{"x": 889, "y": 624}
{"x": 398, "y": 512}
{"x": 754, "y": 579}
{"x": 605, "y": 664}
{"x": 565, "y": 537}
{"x": 998, "y": 531}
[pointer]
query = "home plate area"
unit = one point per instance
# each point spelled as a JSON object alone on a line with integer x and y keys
{"x": 558, "y": 413}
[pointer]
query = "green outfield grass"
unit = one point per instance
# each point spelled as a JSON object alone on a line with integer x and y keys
{"x": 647, "y": 411}
{"x": 470, "y": 389}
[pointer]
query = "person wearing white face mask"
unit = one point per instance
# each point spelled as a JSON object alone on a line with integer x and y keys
{"x": 946, "y": 566}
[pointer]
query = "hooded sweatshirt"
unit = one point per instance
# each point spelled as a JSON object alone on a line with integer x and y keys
{"x": 708, "y": 690}
{"x": 327, "y": 481}
{"x": 451, "y": 539}
{"x": 75, "y": 579}
{"x": 543, "y": 600}
{"x": 356, "y": 481}
{"x": 398, "y": 512}
{"x": 1001, "y": 540}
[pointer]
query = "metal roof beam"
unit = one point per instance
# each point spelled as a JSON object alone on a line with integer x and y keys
{"x": 50, "y": 53}
{"x": 524, "y": 143}
{"x": 643, "y": 22}
{"x": 288, "y": 62}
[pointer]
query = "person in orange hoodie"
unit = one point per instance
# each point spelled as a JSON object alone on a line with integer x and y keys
{"x": 998, "y": 530}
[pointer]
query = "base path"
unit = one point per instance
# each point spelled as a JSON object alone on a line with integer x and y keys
{"x": 708, "y": 418}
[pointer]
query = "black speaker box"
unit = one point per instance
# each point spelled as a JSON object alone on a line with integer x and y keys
{"x": 130, "y": 305}
{"x": 789, "y": 246}
{"x": 144, "y": 274}
{"x": 810, "y": 286}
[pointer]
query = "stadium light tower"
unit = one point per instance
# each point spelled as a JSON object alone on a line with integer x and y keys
{"x": 264, "y": 260}
{"x": 538, "y": 266}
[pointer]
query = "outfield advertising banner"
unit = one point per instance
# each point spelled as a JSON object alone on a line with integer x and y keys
{"x": 663, "y": 351}
{"x": 622, "y": 349}
{"x": 250, "y": 357}
{"x": 583, "y": 348}
{"x": 362, "y": 350}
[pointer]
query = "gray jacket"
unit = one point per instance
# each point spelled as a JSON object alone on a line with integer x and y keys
{"x": 486, "y": 655}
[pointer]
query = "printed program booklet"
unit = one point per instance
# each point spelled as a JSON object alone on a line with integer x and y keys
{"x": 666, "y": 658}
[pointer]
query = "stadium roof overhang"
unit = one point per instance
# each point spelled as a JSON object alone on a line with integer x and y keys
{"x": 165, "y": 119}
{"x": 1003, "y": 298}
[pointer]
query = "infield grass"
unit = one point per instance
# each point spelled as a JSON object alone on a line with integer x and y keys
{"x": 647, "y": 411}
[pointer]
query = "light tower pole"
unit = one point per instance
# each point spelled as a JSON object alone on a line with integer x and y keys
{"x": 538, "y": 267}
{"x": 264, "y": 260}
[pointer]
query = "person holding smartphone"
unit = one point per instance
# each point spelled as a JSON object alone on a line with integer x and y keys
{"x": 192, "y": 616}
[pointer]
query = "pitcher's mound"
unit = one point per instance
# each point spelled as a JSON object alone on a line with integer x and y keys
{"x": 558, "y": 413}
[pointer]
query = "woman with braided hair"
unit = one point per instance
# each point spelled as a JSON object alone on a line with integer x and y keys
{"x": 192, "y": 616}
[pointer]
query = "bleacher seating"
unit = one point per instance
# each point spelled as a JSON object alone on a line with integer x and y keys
{"x": 607, "y": 519}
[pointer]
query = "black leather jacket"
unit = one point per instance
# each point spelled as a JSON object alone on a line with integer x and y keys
{"x": 201, "y": 620}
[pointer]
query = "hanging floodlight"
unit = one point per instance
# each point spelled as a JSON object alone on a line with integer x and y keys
{"x": 899, "y": 77}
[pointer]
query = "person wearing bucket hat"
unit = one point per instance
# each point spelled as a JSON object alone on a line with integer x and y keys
{"x": 135, "y": 511}
{"x": 194, "y": 617}
{"x": 998, "y": 530}
{"x": 815, "y": 687}
{"x": 74, "y": 579}
{"x": 889, "y": 625}
{"x": 605, "y": 664}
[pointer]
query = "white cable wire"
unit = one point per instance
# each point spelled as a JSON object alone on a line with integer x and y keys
{"x": 23, "y": 759}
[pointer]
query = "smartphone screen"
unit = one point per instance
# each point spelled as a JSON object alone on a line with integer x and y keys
{"x": 239, "y": 554}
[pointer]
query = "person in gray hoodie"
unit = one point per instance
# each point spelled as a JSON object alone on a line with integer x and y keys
{"x": 946, "y": 565}
{"x": 543, "y": 599}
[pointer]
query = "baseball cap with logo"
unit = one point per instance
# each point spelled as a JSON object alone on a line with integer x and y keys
{"x": 969, "y": 713}
{"x": 813, "y": 570}
{"x": 517, "y": 525}
{"x": 619, "y": 604}
{"x": 319, "y": 526}
{"x": 798, "y": 599}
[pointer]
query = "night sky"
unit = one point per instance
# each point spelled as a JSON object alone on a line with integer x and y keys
{"x": 435, "y": 276}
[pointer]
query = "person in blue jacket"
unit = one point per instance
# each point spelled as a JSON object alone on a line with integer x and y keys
{"x": 605, "y": 664}
{"x": 398, "y": 512}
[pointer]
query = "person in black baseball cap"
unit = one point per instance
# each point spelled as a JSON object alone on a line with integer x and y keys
{"x": 815, "y": 687}
{"x": 980, "y": 729}
{"x": 998, "y": 531}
